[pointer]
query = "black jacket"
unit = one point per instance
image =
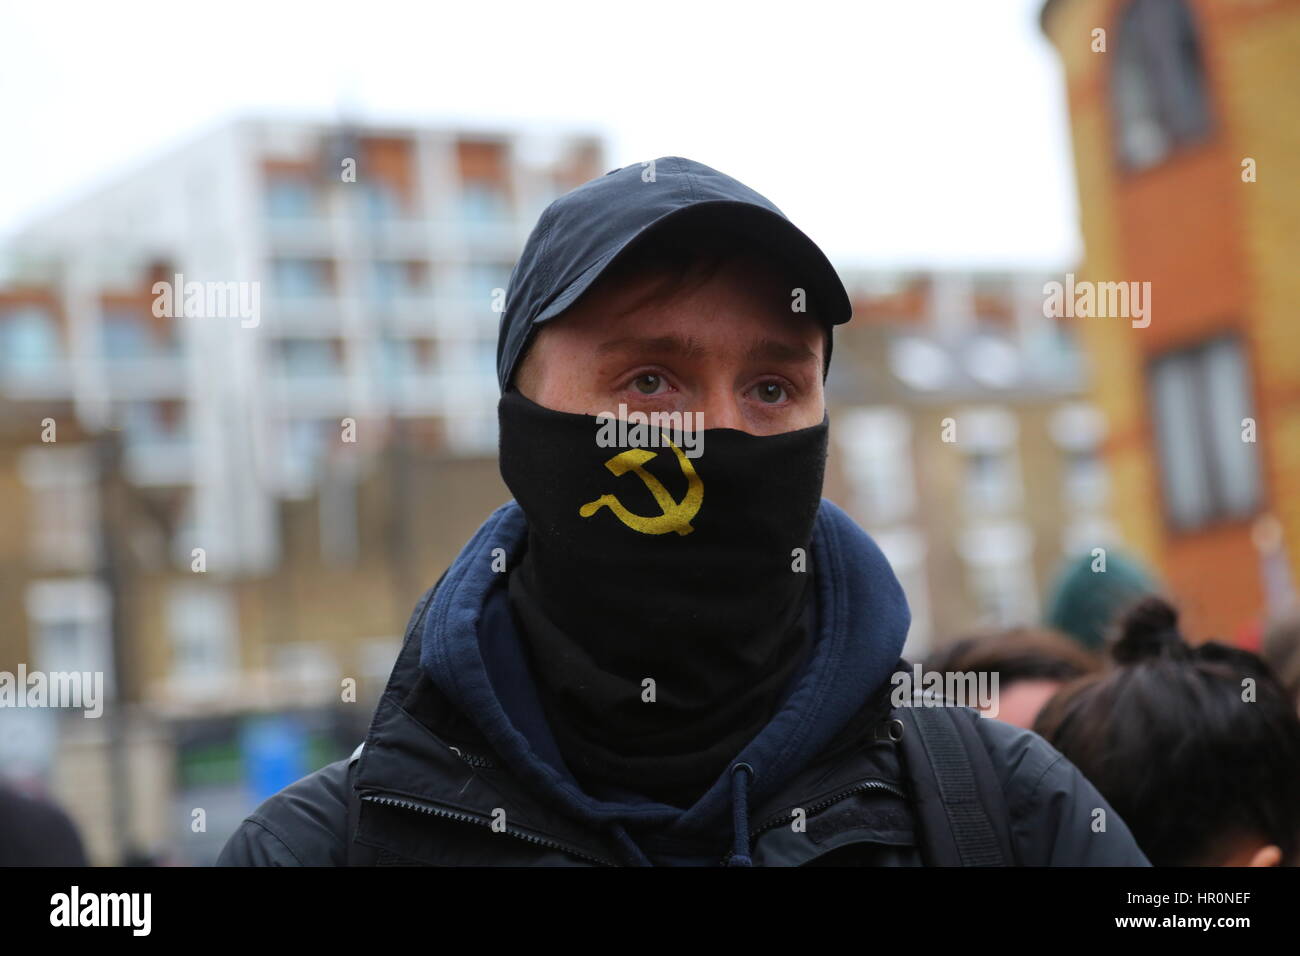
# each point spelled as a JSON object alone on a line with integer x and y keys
{"x": 425, "y": 778}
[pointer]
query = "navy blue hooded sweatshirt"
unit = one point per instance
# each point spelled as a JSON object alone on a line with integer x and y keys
{"x": 470, "y": 648}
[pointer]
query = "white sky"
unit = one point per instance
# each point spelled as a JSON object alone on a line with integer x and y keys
{"x": 894, "y": 132}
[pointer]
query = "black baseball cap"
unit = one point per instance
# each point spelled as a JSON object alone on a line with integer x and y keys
{"x": 580, "y": 234}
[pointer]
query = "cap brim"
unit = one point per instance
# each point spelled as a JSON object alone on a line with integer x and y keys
{"x": 752, "y": 225}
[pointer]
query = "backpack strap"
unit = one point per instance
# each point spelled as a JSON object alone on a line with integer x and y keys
{"x": 959, "y": 800}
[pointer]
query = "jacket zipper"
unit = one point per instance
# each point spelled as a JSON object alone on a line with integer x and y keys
{"x": 474, "y": 760}
{"x": 392, "y": 800}
{"x": 482, "y": 762}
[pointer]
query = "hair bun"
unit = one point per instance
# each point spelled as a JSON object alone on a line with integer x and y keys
{"x": 1149, "y": 629}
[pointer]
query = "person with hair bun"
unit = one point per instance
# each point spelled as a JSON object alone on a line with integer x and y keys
{"x": 1197, "y": 748}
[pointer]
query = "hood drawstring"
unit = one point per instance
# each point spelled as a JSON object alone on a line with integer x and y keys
{"x": 632, "y": 854}
{"x": 740, "y": 814}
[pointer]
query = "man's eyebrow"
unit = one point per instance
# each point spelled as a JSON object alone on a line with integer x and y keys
{"x": 660, "y": 344}
{"x": 764, "y": 350}
{"x": 774, "y": 350}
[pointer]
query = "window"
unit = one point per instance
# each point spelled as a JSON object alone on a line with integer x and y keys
{"x": 1085, "y": 478}
{"x": 920, "y": 364}
{"x": 987, "y": 437}
{"x": 340, "y": 529}
{"x": 29, "y": 341}
{"x": 186, "y": 531}
{"x": 379, "y": 202}
{"x": 1078, "y": 430}
{"x": 876, "y": 443}
{"x": 155, "y": 423}
{"x": 1052, "y": 355}
{"x": 993, "y": 361}
{"x": 386, "y": 281}
{"x": 126, "y": 337}
{"x": 300, "y": 277}
{"x": 482, "y": 201}
{"x": 308, "y": 358}
{"x": 303, "y": 449}
{"x": 1003, "y": 595}
{"x": 999, "y": 561}
{"x": 201, "y": 620}
{"x": 304, "y": 663}
{"x": 1159, "y": 84}
{"x": 1199, "y": 397}
{"x": 988, "y": 479}
{"x": 397, "y": 358}
{"x": 64, "y": 511}
{"x": 289, "y": 198}
{"x": 393, "y": 280}
{"x": 70, "y": 627}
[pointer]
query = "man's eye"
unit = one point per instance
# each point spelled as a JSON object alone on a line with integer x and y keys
{"x": 770, "y": 392}
{"x": 647, "y": 384}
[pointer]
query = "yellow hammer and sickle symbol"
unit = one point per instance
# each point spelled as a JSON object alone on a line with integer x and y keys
{"x": 676, "y": 515}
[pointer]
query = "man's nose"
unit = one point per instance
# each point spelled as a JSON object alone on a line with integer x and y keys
{"x": 721, "y": 408}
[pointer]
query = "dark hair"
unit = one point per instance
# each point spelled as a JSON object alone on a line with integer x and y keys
{"x": 1017, "y": 654}
{"x": 1190, "y": 762}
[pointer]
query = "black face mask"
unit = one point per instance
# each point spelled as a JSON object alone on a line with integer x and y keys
{"x": 648, "y": 565}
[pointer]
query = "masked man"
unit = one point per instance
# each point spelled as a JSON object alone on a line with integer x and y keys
{"x": 668, "y": 649}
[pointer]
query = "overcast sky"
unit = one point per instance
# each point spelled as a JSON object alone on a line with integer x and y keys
{"x": 894, "y": 132}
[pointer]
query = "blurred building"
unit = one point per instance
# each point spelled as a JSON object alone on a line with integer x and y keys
{"x": 964, "y": 444}
{"x": 1188, "y": 162}
{"x": 241, "y": 509}
{"x": 48, "y": 544}
{"x": 377, "y": 257}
